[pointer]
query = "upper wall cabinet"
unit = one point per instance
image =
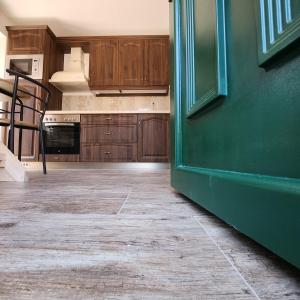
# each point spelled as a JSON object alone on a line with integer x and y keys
{"x": 133, "y": 62}
{"x": 28, "y": 41}
{"x": 38, "y": 40}
{"x": 156, "y": 62}
{"x": 204, "y": 35}
{"x": 104, "y": 63}
{"x": 278, "y": 27}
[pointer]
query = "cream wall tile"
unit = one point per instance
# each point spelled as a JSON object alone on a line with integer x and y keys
{"x": 138, "y": 103}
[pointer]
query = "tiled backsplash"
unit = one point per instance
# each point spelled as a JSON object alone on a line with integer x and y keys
{"x": 138, "y": 103}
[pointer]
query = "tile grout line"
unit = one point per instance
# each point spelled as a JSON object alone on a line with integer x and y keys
{"x": 124, "y": 203}
{"x": 228, "y": 259}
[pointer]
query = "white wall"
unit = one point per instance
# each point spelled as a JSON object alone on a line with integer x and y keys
{"x": 2, "y": 54}
{"x": 4, "y": 21}
{"x": 92, "y": 17}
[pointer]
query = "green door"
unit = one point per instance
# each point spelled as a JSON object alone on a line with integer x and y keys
{"x": 236, "y": 114}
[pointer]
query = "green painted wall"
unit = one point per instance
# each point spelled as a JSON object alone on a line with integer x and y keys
{"x": 239, "y": 154}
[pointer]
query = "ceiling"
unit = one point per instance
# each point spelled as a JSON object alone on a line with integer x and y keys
{"x": 91, "y": 17}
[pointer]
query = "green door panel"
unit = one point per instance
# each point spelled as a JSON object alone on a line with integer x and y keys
{"x": 278, "y": 27}
{"x": 238, "y": 155}
{"x": 204, "y": 33}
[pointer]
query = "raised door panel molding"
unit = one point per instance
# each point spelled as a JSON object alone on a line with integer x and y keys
{"x": 206, "y": 74}
{"x": 131, "y": 62}
{"x": 25, "y": 41}
{"x": 156, "y": 66}
{"x": 104, "y": 63}
{"x": 278, "y": 27}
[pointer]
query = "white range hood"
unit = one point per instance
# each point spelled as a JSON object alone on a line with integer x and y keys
{"x": 74, "y": 77}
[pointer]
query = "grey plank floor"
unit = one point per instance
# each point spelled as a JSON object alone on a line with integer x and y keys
{"x": 114, "y": 233}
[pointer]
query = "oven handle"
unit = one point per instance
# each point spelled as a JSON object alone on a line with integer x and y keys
{"x": 59, "y": 124}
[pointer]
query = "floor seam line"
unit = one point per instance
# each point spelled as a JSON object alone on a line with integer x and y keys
{"x": 124, "y": 203}
{"x": 228, "y": 259}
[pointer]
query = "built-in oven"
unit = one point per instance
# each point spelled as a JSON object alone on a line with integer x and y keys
{"x": 62, "y": 134}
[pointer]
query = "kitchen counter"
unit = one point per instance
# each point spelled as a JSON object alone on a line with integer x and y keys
{"x": 89, "y": 112}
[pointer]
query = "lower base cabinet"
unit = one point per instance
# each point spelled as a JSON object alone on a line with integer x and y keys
{"x": 153, "y": 137}
{"x": 124, "y": 138}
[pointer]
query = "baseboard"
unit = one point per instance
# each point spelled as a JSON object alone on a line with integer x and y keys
{"x": 264, "y": 208}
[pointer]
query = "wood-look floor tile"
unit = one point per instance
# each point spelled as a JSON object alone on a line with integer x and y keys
{"x": 112, "y": 234}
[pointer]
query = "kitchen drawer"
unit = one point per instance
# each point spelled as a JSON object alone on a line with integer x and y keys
{"x": 61, "y": 157}
{"x": 109, "y": 153}
{"x": 108, "y": 119}
{"x": 108, "y": 134}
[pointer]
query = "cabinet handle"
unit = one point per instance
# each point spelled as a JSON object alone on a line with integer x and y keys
{"x": 107, "y": 133}
{"x": 108, "y": 119}
{"x": 107, "y": 152}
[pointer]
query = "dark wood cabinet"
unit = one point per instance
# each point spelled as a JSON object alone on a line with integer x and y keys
{"x": 108, "y": 137}
{"x": 153, "y": 137}
{"x": 109, "y": 133}
{"x": 104, "y": 63}
{"x": 109, "y": 152}
{"x": 61, "y": 157}
{"x": 125, "y": 137}
{"x": 137, "y": 62}
{"x": 25, "y": 41}
{"x": 156, "y": 63}
{"x": 131, "y": 64}
{"x": 108, "y": 119}
{"x": 38, "y": 40}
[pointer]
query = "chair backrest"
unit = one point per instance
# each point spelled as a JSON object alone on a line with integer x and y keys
{"x": 43, "y": 97}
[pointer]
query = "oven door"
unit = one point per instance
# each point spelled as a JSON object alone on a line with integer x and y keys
{"x": 62, "y": 138}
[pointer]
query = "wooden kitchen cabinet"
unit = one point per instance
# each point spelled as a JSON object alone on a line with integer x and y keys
{"x": 25, "y": 41}
{"x": 108, "y": 152}
{"x": 125, "y": 137}
{"x": 131, "y": 62}
{"x": 108, "y": 119}
{"x": 109, "y": 133}
{"x": 108, "y": 137}
{"x": 38, "y": 40}
{"x": 153, "y": 137}
{"x": 156, "y": 62}
{"x": 104, "y": 63}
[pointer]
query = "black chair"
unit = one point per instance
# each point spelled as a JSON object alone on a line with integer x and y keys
{"x": 39, "y": 110}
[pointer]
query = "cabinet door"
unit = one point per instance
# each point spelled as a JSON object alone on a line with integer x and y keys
{"x": 156, "y": 71}
{"x": 25, "y": 41}
{"x": 131, "y": 62}
{"x": 153, "y": 138}
{"x": 104, "y": 63}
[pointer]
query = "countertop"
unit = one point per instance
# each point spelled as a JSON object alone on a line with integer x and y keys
{"x": 88, "y": 112}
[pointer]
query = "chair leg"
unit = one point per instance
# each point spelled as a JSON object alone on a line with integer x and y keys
{"x": 20, "y": 144}
{"x": 11, "y": 140}
{"x": 43, "y": 150}
{"x": 8, "y": 141}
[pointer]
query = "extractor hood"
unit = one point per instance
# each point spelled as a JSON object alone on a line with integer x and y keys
{"x": 74, "y": 77}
